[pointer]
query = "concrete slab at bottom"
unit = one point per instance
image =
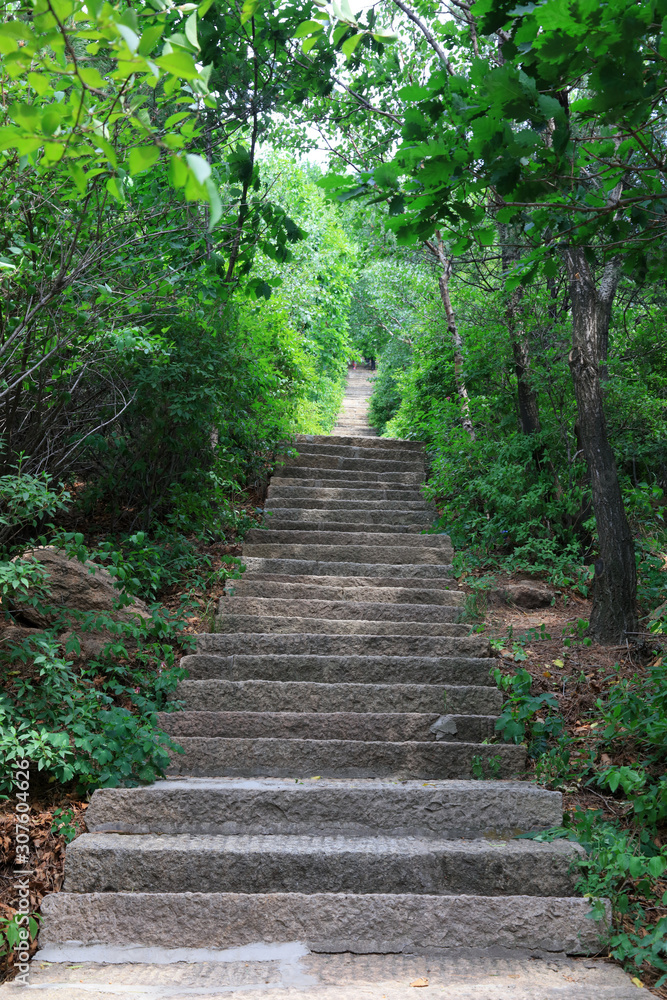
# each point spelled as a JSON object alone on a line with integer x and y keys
{"x": 297, "y": 975}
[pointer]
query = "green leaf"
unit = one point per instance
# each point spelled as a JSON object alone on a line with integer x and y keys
{"x": 131, "y": 37}
{"x": 310, "y": 42}
{"x": 248, "y": 9}
{"x": 348, "y": 47}
{"x": 143, "y": 157}
{"x": 485, "y": 237}
{"x": 657, "y": 866}
{"x": 199, "y": 167}
{"x": 308, "y": 28}
{"x": 150, "y": 36}
{"x": 204, "y": 7}
{"x": 114, "y": 189}
{"x": 191, "y": 30}
{"x": 215, "y": 205}
{"x": 179, "y": 63}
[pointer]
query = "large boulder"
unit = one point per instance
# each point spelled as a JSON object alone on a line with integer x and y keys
{"x": 74, "y": 586}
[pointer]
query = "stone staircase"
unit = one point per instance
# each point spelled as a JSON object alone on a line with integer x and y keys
{"x": 333, "y": 731}
{"x": 353, "y": 417}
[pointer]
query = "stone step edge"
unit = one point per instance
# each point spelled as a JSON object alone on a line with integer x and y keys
{"x": 326, "y": 922}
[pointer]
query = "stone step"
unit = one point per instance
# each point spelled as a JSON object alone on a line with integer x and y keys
{"x": 340, "y": 669}
{"x": 312, "y": 567}
{"x": 361, "y": 451}
{"x": 272, "y": 536}
{"x": 248, "y": 586}
{"x": 261, "y": 863}
{"x": 344, "y": 484}
{"x": 308, "y": 696}
{"x": 325, "y": 477}
{"x": 342, "y": 645}
{"x": 352, "y": 552}
{"x": 308, "y": 492}
{"x": 217, "y": 756}
{"x": 277, "y": 607}
{"x": 373, "y": 727}
{"x": 444, "y": 585}
{"x": 380, "y": 444}
{"x": 316, "y": 461}
{"x": 291, "y": 971}
{"x": 280, "y": 521}
{"x": 231, "y": 622}
{"x": 356, "y": 807}
{"x": 324, "y": 922}
{"x": 363, "y": 518}
{"x": 279, "y": 503}
{"x": 363, "y": 554}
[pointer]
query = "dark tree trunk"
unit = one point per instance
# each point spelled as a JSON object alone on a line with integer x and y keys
{"x": 529, "y": 413}
{"x": 614, "y": 613}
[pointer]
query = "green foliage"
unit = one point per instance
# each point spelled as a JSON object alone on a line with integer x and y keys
{"x": 10, "y": 931}
{"x": 386, "y": 398}
{"x": 63, "y": 825}
{"x": 526, "y": 718}
{"x": 626, "y": 867}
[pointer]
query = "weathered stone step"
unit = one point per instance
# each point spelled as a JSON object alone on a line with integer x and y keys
{"x": 341, "y": 645}
{"x": 394, "y": 554}
{"x": 248, "y": 586}
{"x": 344, "y": 484}
{"x": 272, "y": 536}
{"x": 353, "y": 806}
{"x": 381, "y": 444}
{"x": 361, "y": 451}
{"x": 325, "y": 922}
{"x": 361, "y": 506}
{"x": 384, "y": 727}
{"x": 327, "y": 521}
{"x": 340, "y": 669}
{"x": 259, "y": 863}
{"x": 280, "y": 521}
{"x": 347, "y": 610}
{"x": 232, "y": 622}
{"x": 308, "y": 492}
{"x": 316, "y": 461}
{"x": 313, "y": 567}
{"x": 444, "y": 585}
{"x": 308, "y": 696}
{"x": 216, "y": 756}
{"x": 325, "y": 477}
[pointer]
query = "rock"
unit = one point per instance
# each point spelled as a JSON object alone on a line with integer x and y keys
{"x": 444, "y": 726}
{"x": 527, "y": 594}
{"x": 76, "y": 586}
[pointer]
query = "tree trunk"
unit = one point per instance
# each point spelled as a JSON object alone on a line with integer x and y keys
{"x": 438, "y": 251}
{"x": 529, "y": 413}
{"x": 443, "y": 283}
{"x": 614, "y": 612}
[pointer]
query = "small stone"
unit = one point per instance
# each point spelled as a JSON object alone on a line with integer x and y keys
{"x": 444, "y": 726}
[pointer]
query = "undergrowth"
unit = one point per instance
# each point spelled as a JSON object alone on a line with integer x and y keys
{"x": 610, "y": 761}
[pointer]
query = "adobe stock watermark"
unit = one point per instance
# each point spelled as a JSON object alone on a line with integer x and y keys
{"x": 18, "y": 934}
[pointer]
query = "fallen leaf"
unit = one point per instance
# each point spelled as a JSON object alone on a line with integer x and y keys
{"x": 419, "y": 982}
{"x": 605, "y": 759}
{"x": 558, "y": 663}
{"x": 547, "y": 673}
{"x": 637, "y": 982}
